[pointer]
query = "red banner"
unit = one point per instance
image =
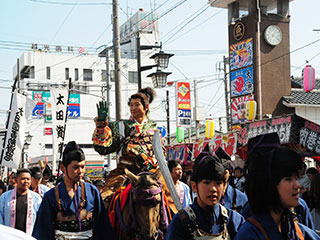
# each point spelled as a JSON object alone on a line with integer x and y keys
{"x": 227, "y": 142}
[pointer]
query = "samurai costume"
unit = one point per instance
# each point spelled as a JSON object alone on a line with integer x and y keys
{"x": 264, "y": 227}
{"x": 82, "y": 217}
{"x": 234, "y": 199}
{"x": 8, "y": 212}
{"x": 134, "y": 142}
{"x": 197, "y": 223}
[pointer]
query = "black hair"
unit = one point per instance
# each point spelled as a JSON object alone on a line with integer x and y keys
{"x": 239, "y": 168}
{"x": 208, "y": 167}
{"x": 23, "y": 170}
{"x": 72, "y": 152}
{"x": 312, "y": 171}
{"x": 13, "y": 174}
{"x": 265, "y": 171}
{"x": 172, "y": 164}
{"x": 2, "y": 186}
{"x": 146, "y": 96}
{"x": 315, "y": 191}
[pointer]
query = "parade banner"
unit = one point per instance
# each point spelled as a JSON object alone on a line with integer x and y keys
{"x": 16, "y": 130}
{"x": 59, "y": 104}
{"x": 238, "y": 108}
{"x": 228, "y": 142}
{"x": 241, "y": 82}
{"x": 183, "y": 104}
{"x": 180, "y": 152}
{"x": 241, "y": 54}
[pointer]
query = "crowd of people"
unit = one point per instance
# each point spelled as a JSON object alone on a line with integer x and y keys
{"x": 273, "y": 196}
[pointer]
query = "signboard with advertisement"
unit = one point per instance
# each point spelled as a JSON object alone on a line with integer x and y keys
{"x": 183, "y": 104}
{"x": 241, "y": 82}
{"x": 241, "y": 54}
{"x": 43, "y": 106}
{"x": 281, "y": 125}
{"x": 140, "y": 22}
{"x": 238, "y": 108}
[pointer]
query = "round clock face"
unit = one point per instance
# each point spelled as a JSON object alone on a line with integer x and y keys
{"x": 273, "y": 35}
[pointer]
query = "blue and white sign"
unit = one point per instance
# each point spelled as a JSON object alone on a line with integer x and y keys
{"x": 163, "y": 131}
{"x": 242, "y": 82}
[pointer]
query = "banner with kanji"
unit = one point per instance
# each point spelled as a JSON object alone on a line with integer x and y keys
{"x": 59, "y": 104}
{"x": 21, "y": 109}
{"x": 180, "y": 152}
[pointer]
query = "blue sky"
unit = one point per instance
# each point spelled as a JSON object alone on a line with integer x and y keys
{"x": 78, "y": 24}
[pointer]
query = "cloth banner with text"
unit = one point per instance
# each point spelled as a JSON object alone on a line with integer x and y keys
{"x": 59, "y": 104}
{"x": 21, "y": 109}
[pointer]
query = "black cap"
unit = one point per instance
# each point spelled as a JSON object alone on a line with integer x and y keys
{"x": 36, "y": 172}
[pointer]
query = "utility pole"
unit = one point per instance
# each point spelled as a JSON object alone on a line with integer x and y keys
{"x": 196, "y": 106}
{"x": 138, "y": 60}
{"x": 168, "y": 118}
{"x": 108, "y": 96}
{"x": 116, "y": 50}
{"x": 19, "y": 75}
{"x": 226, "y": 92}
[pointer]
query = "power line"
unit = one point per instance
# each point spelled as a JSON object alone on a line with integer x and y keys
{"x": 183, "y": 26}
{"x": 54, "y": 36}
{"x": 66, "y": 3}
{"x": 196, "y": 26}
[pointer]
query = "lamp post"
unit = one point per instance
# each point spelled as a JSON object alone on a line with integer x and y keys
{"x": 161, "y": 61}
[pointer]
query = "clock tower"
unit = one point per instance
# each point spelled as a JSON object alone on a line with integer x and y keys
{"x": 259, "y": 55}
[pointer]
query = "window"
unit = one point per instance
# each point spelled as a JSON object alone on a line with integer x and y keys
{"x": 87, "y": 74}
{"x": 48, "y": 73}
{"x": 31, "y": 73}
{"x": 67, "y": 73}
{"x": 76, "y": 74}
{"x": 103, "y": 75}
{"x": 112, "y": 76}
{"x": 133, "y": 77}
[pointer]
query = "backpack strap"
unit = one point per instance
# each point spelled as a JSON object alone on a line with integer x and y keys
{"x": 298, "y": 230}
{"x": 56, "y": 191}
{"x": 259, "y": 226}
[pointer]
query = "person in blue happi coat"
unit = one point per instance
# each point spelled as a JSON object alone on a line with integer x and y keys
{"x": 232, "y": 197}
{"x": 272, "y": 189}
{"x": 73, "y": 209}
{"x": 206, "y": 217}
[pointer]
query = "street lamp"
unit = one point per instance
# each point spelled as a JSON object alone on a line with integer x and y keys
{"x": 162, "y": 59}
{"x": 159, "y": 78}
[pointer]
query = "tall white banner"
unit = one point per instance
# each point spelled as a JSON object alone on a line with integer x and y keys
{"x": 20, "y": 110}
{"x": 59, "y": 105}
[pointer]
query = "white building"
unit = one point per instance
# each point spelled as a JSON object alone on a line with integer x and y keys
{"x": 42, "y": 69}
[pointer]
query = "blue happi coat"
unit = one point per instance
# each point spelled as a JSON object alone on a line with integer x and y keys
{"x": 301, "y": 211}
{"x": 5, "y": 207}
{"x": 249, "y": 231}
{"x": 44, "y": 228}
{"x": 241, "y": 198}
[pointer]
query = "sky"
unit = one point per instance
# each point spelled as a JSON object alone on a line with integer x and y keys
{"x": 194, "y": 31}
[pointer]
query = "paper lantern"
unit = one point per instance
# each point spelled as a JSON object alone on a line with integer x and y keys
{"x": 251, "y": 110}
{"x": 180, "y": 134}
{"x": 209, "y": 128}
{"x": 308, "y": 74}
